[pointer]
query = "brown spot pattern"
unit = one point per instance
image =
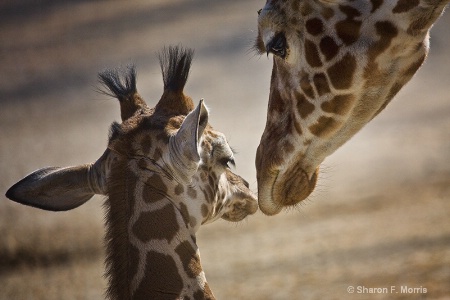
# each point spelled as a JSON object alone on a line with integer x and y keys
{"x": 276, "y": 103}
{"x": 340, "y": 104}
{"x": 328, "y": 47}
{"x": 304, "y": 107}
{"x": 387, "y": 32}
{"x": 376, "y": 4}
{"x": 306, "y": 87}
{"x": 314, "y": 26}
{"x": 341, "y": 73}
{"x": 348, "y": 29}
{"x": 327, "y": 12}
{"x": 154, "y": 189}
{"x": 192, "y": 193}
{"x": 160, "y": 224}
{"x": 350, "y": 11}
{"x": 189, "y": 259}
{"x": 405, "y": 5}
{"x": 179, "y": 189}
{"x": 324, "y": 127}
{"x": 321, "y": 84}
{"x": 161, "y": 279}
{"x": 412, "y": 69}
{"x": 312, "y": 54}
{"x": 206, "y": 294}
{"x": 418, "y": 26}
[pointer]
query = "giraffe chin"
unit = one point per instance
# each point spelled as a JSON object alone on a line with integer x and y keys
{"x": 285, "y": 189}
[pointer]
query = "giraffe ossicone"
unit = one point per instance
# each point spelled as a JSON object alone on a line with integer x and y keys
{"x": 165, "y": 172}
{"x": 336, "y": 65}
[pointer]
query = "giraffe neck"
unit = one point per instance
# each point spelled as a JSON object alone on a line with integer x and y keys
{"x": 152, "y": 251}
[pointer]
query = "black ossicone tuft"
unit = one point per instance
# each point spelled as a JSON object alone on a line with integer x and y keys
{"x": 118, "y": 83}
{"x": 175, "y": 64}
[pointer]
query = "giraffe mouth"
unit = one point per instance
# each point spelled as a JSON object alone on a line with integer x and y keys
{"x": 285, "y": 188}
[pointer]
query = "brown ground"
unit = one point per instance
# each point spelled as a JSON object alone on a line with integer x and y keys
{"x": 380, "y": 216}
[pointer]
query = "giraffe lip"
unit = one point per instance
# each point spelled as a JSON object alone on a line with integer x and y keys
{"x": 285, "y": 188}
{"x": 265, "y": 194}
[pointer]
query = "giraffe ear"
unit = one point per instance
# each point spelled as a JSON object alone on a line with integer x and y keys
{"x": 53, "y": 188}
{"x": 184, "y": 145}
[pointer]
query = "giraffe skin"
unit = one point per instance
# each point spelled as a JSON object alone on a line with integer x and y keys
{"x": 165, "y": 173}
{"x": 336, "y": 65}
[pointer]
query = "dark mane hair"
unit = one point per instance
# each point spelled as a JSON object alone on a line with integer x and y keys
{"x": 175, "y": 63}
{"x": 119, "y": 83}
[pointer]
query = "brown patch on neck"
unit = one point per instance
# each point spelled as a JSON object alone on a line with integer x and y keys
{"x": 327, "y": 12}
{"x": 189, "y": 259}
{"x": 325, "y": 127}
{"x": 340, "y": 104}
{"x": 159, "y": 224}
{"x": 161, "y": 278}
{"x": 348, "y": 29}
{"x": 304, "y": 107}
{"x": 314, "y": 26}
{"x": 376, "y": 4}
{"x": 341, "y": 73}
{"x": 328, "y": 47}
{"x": 154, "y": 189}
{"x": 387, "y": 32}
{"x": 174, "y": 103}
{"x": 312, "y": 54}
{"x": 321, "y": 84}
{"x": 405, "y": 5}
{"x": 305, "y": 85}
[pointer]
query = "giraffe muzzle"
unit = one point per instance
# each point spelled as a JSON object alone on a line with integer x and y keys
{"x": 280, "y": 189}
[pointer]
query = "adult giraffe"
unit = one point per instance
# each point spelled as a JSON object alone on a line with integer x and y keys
{"x": 336, "y": 65}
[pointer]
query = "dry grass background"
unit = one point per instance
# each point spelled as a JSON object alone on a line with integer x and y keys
{"x": 379, "y": 218}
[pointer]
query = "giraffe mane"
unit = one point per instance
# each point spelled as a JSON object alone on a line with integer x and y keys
{"x": 117, "y": 208}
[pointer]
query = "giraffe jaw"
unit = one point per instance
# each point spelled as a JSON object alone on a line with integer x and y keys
{"x": 284, "y": 189}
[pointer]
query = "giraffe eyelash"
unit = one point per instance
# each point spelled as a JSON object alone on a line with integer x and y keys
{"x": 227, "y": 161}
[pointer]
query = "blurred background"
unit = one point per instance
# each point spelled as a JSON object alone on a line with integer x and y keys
{"x": 380, "y": 216}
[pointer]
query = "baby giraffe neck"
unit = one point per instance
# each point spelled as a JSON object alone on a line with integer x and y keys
{"x": 152, "y": 252}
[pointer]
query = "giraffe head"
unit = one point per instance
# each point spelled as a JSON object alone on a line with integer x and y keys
{"x": 173, "y": 140}
{"x": 165, "y": 171}
{"x": 336, "y": 65}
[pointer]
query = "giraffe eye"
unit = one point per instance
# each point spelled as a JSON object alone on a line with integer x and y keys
{"x": 227, "y": 161}
{"x": 277, "y": 46}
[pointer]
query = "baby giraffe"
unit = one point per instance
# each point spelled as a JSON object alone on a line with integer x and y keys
{"x": 165, "y": 172}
